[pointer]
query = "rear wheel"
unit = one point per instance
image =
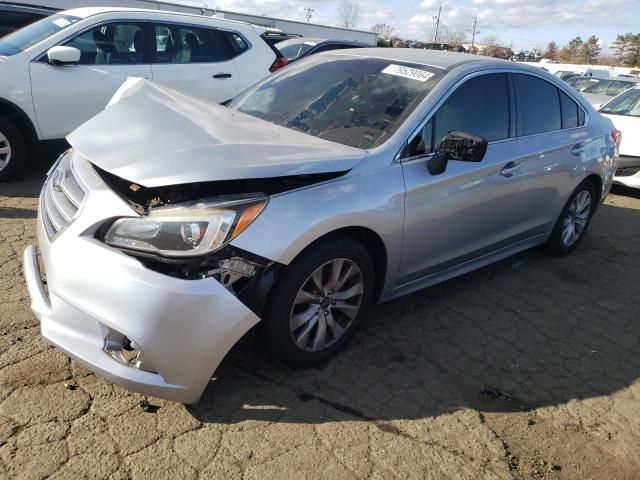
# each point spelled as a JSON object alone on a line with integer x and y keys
{"x": 574, "y": 220}
{"x": 319, "y": 302}
{"x": 12, "y": 150}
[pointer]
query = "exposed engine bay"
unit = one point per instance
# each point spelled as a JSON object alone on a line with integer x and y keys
{"x": 144, "y": 198}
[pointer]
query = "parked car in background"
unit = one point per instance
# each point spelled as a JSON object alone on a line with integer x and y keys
{"x": 175, "y": 225}
{"x": 296, "y": 48}
{"x": 602, "y": 91}
{"x": 580, "y": 82}
{"x": 60, "y": 71}
{"x": 624, "y": 112}
{"x": 566, "y": 74}
{"x": 14, "y": 16}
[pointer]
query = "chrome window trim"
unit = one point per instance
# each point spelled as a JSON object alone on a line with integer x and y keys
{"x": 438, "y": 104}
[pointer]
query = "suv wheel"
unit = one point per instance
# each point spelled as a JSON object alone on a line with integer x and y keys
{"x": 12, "y": 149}
{"x": 319, "y": 301}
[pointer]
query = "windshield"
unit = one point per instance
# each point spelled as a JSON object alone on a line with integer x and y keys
{"x": 28, "y": 36}
{"x": 293, "y": 51}
{"x": 354, "y": 101}
{"x": 609, "y": 87}
{"x": 627, "y": 104}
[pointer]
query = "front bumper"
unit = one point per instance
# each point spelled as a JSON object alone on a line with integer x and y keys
{"x": 95, "y": 296}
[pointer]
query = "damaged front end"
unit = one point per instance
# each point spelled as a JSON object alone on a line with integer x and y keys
{"x": 185, "y": 231}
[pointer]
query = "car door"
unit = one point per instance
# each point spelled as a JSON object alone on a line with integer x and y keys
{"x": 470, "y": 209}
{"x": 553, "y": 139}
{"x": 65, "y": 96}
{"x": 196, "y": 60}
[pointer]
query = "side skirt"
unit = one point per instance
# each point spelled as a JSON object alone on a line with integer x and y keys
{"x": 462, "y": 268}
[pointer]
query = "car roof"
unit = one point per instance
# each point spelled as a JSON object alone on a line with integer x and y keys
{"x": 85, "y": 12}
{"x": 434, "y": 58}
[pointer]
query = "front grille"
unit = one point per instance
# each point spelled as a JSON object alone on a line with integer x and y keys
{"x": 627, "y": 171}
{"x": 61, "y": 197}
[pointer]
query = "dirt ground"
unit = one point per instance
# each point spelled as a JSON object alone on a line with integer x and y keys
{"x": 526, "y": 369}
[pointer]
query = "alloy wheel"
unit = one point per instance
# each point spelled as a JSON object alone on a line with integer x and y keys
{"x": 326, "y": 305}
{"x": 575, "y": 221}
{"x": 5, "y": 152}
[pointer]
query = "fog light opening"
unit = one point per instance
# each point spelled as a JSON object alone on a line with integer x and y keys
{"x": 128, "y": 352}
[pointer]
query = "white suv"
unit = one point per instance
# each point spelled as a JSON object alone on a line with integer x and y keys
{"x": 60, "y": 71}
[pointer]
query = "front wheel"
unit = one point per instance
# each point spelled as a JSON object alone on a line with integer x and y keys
{"x": 12, "y": 150}
{"x": 319, "y": 302}
{"x": 574, "y": 220}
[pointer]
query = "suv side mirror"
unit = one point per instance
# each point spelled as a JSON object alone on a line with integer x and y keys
{"x": 462, "y": 146}
{"x": 61, "y": 55}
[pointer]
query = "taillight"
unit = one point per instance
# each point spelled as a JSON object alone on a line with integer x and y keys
{"x": 278, "y": 64}
{"x": 617, "y": 136}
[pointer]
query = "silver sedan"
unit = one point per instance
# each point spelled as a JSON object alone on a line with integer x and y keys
{"x": 174, "y": 226}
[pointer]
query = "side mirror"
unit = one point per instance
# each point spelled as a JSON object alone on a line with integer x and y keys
{"x": 63, "y": 55}
{"x": 461, "y": 146}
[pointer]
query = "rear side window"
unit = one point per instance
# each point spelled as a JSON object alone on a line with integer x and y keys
{"x": 570, "y": 111}
{"x": 188, "y": 44}
{"x": 538, "y": 106}
{"x": 479, "y": 106}
{"x": 237, "y": 42}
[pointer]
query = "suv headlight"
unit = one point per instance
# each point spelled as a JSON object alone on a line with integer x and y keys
{"x": 187, "y": 229}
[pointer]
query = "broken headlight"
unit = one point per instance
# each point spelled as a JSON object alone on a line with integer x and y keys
{"x": 187, "y": 229}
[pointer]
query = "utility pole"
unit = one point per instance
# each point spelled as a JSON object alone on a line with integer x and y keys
{"x": 437, "y": 19}
{"x": 473, "y": 35}
{"x": 309, "y": 10}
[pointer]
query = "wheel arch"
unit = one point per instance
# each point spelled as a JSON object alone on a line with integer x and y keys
{"x": 20, "y": 120}
{"x": 374, "y": 244}
{"x": 597, "y": 184}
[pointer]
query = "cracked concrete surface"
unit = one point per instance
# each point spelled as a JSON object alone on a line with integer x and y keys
{"x": 526, "y": 369}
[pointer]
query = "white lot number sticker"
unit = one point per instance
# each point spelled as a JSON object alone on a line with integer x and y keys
{"x": 407, "y": 72}
{"x": 61, "y": 22}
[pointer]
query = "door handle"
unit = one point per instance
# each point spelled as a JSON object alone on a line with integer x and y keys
{"x": 222, "y": 75}
{"x": 510, "y": 169}
{"x": 578, "y": 149}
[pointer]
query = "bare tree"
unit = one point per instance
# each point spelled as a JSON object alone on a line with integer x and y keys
{"x": 490, "y": 41}
{"x": 452, "y": 37}
{"x": 348, "y": 14}
{"x": 552, "y": 51}
{"x": 384, "y": 30}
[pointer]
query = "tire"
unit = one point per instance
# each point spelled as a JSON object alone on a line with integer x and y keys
{"x": 557, "y": 243}
{"x": 327, "y": 257}
{"x": 12, "y": 150}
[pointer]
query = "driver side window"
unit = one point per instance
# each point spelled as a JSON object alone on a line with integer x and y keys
{"x": 479, "y": 106}
{"x": 110, "y": 44}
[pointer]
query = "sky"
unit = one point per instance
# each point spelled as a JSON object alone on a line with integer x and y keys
{"x": 526, "y": 23}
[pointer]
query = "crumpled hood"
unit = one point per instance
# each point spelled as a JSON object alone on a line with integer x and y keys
{"x": 156, "y": 136}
